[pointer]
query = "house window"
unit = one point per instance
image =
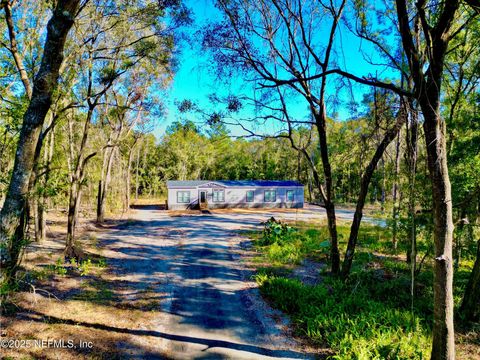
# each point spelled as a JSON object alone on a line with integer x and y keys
{"x": 218, "y": 196}
{"x": 270, "y": 196}
{"x": 290, "y": 195}
{"x": 250, "y": 195}
{"x": 183, "y": 197}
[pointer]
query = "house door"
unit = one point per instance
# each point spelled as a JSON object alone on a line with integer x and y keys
{"x": 203, "y": 197}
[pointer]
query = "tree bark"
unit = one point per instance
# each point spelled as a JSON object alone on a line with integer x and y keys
{"x": 309, "y": 186}
{"x": 71, "y": 251}
{"x": 412, "y": 140}
{"x": 396, "y": 205}
{"x": 382, "y": 196}
{"x": 14, "y": 49}
{"x": 365, "y": 182}
{"x": 136, "y": 173}
{"x": 12, "y": 216}
{"x": 104, "y": 184}
{"x": 428, "y": 91}
{"x": 76, "y": 179}
{"x": 42, "y": 204}
{"x": 77, "y": 171}
{"x": 129, "y": 177}
{"x": 321, "y": 121}
{"x": 443, "y": 346}
{"x": 41, "y": 179}
{"x": 443, "y": 330}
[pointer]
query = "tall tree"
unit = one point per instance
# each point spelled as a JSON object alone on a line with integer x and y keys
{"x": 139, "y": 44}
{"x": 388, "y": 136}
{"x": 425, "y": 46}
{"x": 121, "y": 123}
{"x": 13, "y": 215}
{"x": 438, "y": 29}
{"x": 463, "y": 133}
{"x": 289, "y": 46}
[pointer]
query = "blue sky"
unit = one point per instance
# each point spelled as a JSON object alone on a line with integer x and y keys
{"x": 194, "y": 82}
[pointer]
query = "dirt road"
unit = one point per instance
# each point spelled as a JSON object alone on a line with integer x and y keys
{"x": 210, "y": 308}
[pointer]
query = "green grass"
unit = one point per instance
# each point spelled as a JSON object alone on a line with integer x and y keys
{"x": 306, "y": 240}
{"x": 97, "y": 291}
{"x": 346, "y": 317}
{"x": 370, "y": 315}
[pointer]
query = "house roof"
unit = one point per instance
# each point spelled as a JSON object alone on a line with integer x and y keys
{"x": 233, "y": 183}
{"x": 185, "y": 183}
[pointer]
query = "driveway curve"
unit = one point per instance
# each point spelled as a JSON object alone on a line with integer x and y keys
{"x": 210, "y": 308}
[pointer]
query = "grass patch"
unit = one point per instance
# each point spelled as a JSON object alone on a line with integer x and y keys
{"x": 87, "y": 266}
{"x": 369, "y": 316}
{"x": 97, "y": 291}
{"x": 349, "y": 319}
{"x": 288, "y": 244}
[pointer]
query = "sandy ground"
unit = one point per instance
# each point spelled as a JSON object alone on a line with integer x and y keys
{"x": 177, "y": 286}
{"x": 210, "y": 307}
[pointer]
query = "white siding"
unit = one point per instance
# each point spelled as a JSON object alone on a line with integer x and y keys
{"x": 172, "y": 198}
{"x": 236, "y": 197}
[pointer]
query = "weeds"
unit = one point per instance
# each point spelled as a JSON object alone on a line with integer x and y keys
{"x": 96, "y": 291}
{"x": 349, "y": 319}
{"x": 275, "y": 231}
{"x": 367, "y": 317}
{"x": 61, "y": 268}
{"x": 282, "y": 244}
{"x": 58, "y": 268}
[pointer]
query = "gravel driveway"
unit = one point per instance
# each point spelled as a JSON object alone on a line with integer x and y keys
{"x": 210, "y": 309}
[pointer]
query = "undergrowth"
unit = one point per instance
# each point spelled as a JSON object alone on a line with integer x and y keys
{"x": 282, "y": 244}
{"x": 349, "y": 319}
{"x": 369, "y": 316}
{"x": 25, "y": 279}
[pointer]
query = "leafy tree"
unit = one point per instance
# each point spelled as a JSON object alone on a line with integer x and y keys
{"x": 13, "y": 216}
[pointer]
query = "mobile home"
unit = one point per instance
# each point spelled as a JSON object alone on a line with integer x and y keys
{"x": 194, "y": 194}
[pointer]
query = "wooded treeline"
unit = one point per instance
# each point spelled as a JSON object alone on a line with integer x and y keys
{"x": 81, "y": 88}
{"x": 429, "y": 60}
{"x": 73, "y": 106}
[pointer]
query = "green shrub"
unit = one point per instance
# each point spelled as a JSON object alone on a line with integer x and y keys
{"x": 349, "y": 318}
{"x": 85, "y": 267}
{"x": 275, "y": 231}
{"x": 57, "y": 268}
{"x": 283, "y": 244}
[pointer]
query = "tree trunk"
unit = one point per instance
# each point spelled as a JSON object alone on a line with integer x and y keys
{"x": 365, "y": 182}
{"x": 348, "y": 186}
{"x": 128, "y": 178}
{"x": 428, "y": 93}
{"x": 41, "y": 180}
{"x": 42, "y": 205}
{"x": 396, "y": 204}
{"x": 309, "y": 186}
{"x": 71, "y": 251}
{"x": 12, "y": 216}
{"x": 463, "y": 220}
{"x": 76, "y": 179}
{"x": 320, "y": 118}
{"x": 470, "y": 308}
{"x": 136, "y": 173}
{"x": 14, "y": 49}
{"x": 443, "y": 331}
{"x": 382, "y": 196}
{"x": 299, "y": 166}
{"x": 103, "y": 185}
{"x": 412, "y": 140}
